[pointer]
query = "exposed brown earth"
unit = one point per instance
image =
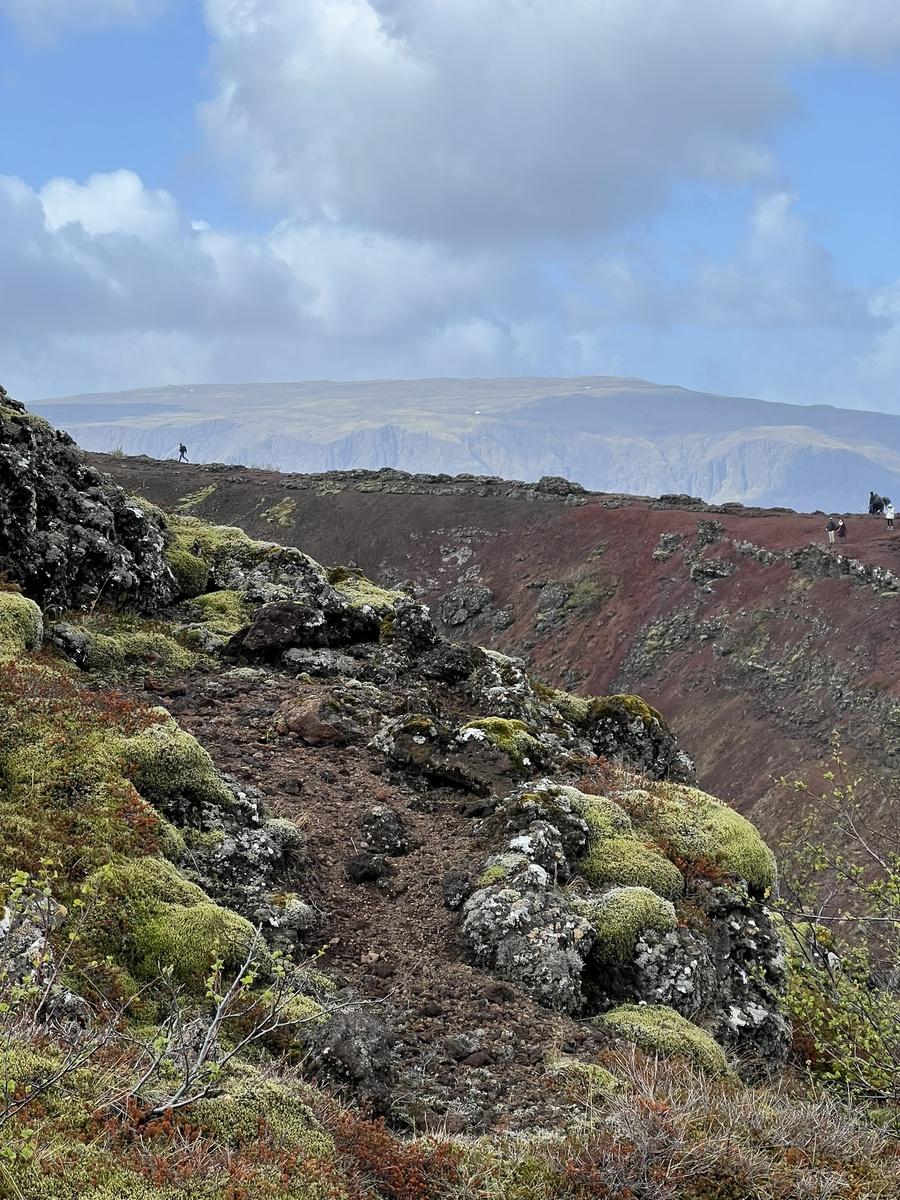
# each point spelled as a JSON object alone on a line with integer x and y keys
{"x": 752, "y": 635}
{"x": 475, "y": 1050}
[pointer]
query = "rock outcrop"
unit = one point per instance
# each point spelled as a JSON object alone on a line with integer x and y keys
{"x": 68, "y": 534}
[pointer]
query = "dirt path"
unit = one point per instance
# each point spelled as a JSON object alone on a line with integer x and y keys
{"x": 471, "y": 1052}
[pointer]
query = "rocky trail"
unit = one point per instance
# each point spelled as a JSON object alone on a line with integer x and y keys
{"x": 476, "y": 1051}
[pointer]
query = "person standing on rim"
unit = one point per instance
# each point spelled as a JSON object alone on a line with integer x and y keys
{"x": 841, "y": 530}
{"x": 889, "y": 513}
{"x": 829, "y": 529}
{"x": 182, "y": 452}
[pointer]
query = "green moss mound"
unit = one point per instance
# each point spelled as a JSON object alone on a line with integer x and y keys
{"x": 146, "y": 916}
{"x": 514, "y": 738}
{"x": 585, "y": 1082}
{"x": 269, "y": 1110}
{"x": 21, "y": 625}
{"x": 661, "y": 1030}
{"x": 223, "y": 612}
{"x": 605, "y": 818}
{"x": 620, "y": 916}
{"x": 170, "y": 768}
{"x": 190, "y": 571}
{"x": 214, "y": 544}
{"x": 629, "y": 862}
{"x": 698, "y": 830}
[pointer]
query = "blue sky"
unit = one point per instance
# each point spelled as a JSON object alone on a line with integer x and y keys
{"x": 252, "y": 189}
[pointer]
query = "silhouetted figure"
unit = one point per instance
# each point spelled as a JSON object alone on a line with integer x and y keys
{"x": 829, "y": 529}
{"x": 182, "y": 452}
{"x": 841, "y": 530}
{"x": 889, "y": 514}
{"x": 876, "y": 503}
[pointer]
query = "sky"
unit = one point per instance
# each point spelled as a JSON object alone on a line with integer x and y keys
{"x": 688, "y": 191}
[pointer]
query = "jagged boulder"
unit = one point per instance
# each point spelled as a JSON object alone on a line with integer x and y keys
{"x": 68, "y": 534}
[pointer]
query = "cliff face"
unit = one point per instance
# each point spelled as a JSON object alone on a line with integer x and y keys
{"x": 624, "y": 435}
{"x": 755, "y": 637}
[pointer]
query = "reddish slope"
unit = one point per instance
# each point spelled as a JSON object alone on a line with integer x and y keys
{"x": 754, "y": 668}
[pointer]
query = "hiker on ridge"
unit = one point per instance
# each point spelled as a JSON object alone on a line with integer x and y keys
{"x": 829, "y": 529}
{"x": 889, "y": 514}
{"x": 182, "y": 452}
{"x": 841, "y": 530}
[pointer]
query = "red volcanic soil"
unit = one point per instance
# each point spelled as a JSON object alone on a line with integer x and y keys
{"x": 751, "y": 634}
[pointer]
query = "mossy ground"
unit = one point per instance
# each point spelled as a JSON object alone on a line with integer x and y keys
{"x": 119, "y": 642}
{"x": 282, "y": 513}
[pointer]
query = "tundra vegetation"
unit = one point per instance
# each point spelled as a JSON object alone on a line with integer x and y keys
{"x": 165, "y": 1029}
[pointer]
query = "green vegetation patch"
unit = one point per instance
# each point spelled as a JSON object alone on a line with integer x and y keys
{"x": 620, "y": 916}
{"x": 190, "y": 571}
{"x": 585, "y": 1082}
{"x": 362, "y": 593}
{"x": 187, "y": 503}
{"x": 171, "y": 769}
{"x": 269, "y": 1110}
{"x": 223, "y": 612}
{"x": 282, "y": 513}
{"x": 21, "y": 625}
{"x": 700, "y": 831}
{"x": 661, "y": 1030}
{"x": 514, "y": 738}
{"x": 149, "y": 918}
{"x": 118, "y": 641}
{"x": 627, "y": 861}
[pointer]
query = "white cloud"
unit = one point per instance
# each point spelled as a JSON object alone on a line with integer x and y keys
{"x": 449, "y": 184}
{"x": 495, "y": 119}
{"x": 44, "y": 20}
{"x": 113, "y": 203}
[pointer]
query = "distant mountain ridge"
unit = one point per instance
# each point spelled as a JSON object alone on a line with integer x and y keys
{"x": 608, "y": 433}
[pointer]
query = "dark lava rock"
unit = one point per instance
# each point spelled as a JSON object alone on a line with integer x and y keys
{"x": 384, "y": 831}
{"x": 353, "y": 1049}
{"x": 68, "y": 534}
{"x": 367, "y": 868}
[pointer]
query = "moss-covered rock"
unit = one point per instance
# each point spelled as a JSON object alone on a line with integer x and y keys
{"x": 661, "y": 1030}
{"x": 363, "y": 593}
{"x": 190, "y": 571}
{"x": 171, "y": 769}
{"x": 514, "y": 738}
{"x": 627, "y": 861}
{"x": 223, "y": 612}
{"x": 621, "y": 915}
{"x": 148, "y": 917}
{"x": 21, "y": 624}
{"x": 699, "y": 830}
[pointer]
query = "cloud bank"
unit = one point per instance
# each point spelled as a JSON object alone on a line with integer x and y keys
{"x": 464, "y": 188}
